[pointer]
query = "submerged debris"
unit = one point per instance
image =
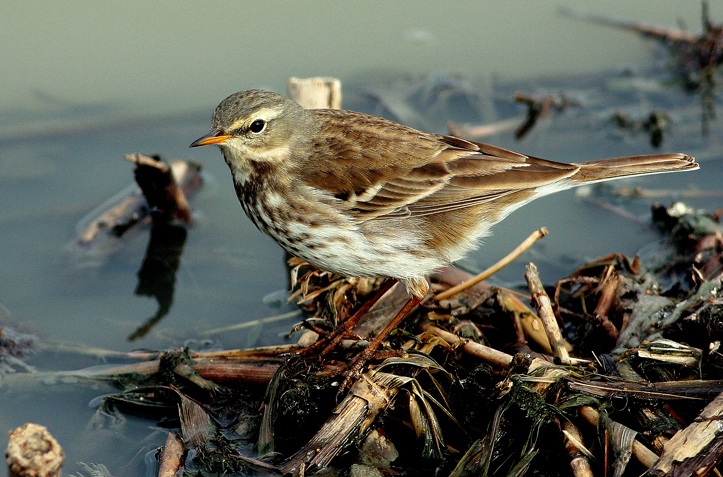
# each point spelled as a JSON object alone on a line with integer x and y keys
{"x": 539, "y": 108}
{"x": 695, "y": 58}
{"x": 654, "y": 124}
{"x": 15, "y": 347}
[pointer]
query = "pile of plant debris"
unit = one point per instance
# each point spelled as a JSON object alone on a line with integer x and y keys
{"x": 472, "y": 385}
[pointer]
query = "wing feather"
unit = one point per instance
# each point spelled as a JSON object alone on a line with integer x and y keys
{"x": 407, "y": 172}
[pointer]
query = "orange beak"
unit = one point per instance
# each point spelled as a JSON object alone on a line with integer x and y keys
{"x": 213, "y": 137}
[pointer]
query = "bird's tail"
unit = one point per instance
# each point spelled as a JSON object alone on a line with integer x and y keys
{"x": 608, "y": 169}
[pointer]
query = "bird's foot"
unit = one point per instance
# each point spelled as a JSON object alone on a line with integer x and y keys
{"x": 356, "y": 366}
{"x": 326, "y": 344}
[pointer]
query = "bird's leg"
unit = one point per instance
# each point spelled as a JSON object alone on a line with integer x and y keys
{"x": 325, "y": 345}
{"x": 360, "y": 360}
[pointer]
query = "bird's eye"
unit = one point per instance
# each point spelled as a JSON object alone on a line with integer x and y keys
{"x": 257, "y": 126}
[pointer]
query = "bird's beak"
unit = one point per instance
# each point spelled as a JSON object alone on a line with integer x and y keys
{"x": 213, "y": 137}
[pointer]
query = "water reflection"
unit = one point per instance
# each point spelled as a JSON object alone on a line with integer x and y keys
{"x": 157, "y": 276}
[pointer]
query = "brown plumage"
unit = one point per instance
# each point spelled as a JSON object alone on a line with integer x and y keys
{"x": 359, "y": 195}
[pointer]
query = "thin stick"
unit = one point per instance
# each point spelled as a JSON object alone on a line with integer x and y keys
{"x": 521, "y": 248}
{"x": 260, "y": 322}
{"x": 547, "y": 316}
{"x": 486, "y": 353}
{"x": 360, "y": 360}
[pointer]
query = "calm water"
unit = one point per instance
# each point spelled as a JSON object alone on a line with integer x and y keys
{"x": 83, "y": 86}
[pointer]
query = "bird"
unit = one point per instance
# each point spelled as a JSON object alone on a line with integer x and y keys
{"x": 363, "y": 196}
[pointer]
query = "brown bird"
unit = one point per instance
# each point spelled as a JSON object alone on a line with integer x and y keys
{"x": 359, "y": 195}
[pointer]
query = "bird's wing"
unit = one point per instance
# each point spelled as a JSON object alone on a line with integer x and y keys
{"x": 375, "y": 168}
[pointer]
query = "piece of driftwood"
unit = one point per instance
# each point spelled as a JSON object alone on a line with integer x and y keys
{"x": 540, "y": 108}
{"x": 165, "y": 197}
{"x": 696, "y": 449}
{"x": 242, "y": 367}
{"x": 99, "y": 233}
{"x": 575, "y": 447}
{"x": 366, "y": 399}
{"x": 480, "y": 351}
{"x": 547, "y": 316}
{"x": 315, "y": 93}
{"x": 171, "y": 458}
{"x": 645, "y": 29}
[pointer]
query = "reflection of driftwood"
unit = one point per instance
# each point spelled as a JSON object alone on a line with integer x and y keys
{"x": 167, "y": 204}
{"x": 100, "y": 231}
{"x": 160, "y": 198}
{"x": 157, "y": 276}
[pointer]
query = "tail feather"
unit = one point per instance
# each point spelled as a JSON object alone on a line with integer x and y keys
{"x": 608, "y": 169}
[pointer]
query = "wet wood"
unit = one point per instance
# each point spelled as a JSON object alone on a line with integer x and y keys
{"x": 164, "y": 196}
{"x": 482, "y": 352}
{"x": 540, "y": 108}
{"x": 171, "y": 458}
{"x": 314, "y": 93}
{"x": 608, "y": 289}
{"x": 576, "y": 449}
{"x": 530, "y": 325}
{"x": 696, "y": 449}
{"x": 547, "y": 315}
{"x": 366, "y": 399}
